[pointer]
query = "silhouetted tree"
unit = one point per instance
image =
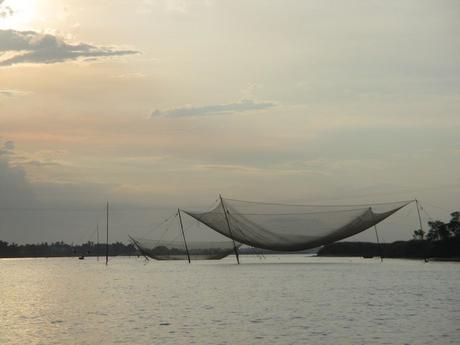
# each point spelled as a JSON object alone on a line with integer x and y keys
{"x": 419, "y": 234}
{"x": 438, "y": 231}
{"x": 454, "y": 224}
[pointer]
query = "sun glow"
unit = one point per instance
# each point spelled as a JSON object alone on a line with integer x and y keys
{"x": 19, "y": 14}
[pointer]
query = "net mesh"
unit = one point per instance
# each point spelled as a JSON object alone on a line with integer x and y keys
{"x": 175, "y": 250}
{"x": 284, "y": 227}
{"x": 167, "y": 241}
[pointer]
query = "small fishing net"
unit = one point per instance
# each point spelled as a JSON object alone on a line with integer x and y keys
{"x": 167, "y": 241}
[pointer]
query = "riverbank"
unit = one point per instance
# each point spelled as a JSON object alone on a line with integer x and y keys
{"x": 414, "y": 249}
{"x": 61, "y": 249}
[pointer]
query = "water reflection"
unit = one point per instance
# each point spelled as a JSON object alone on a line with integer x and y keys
{"x": 276, "y": 300}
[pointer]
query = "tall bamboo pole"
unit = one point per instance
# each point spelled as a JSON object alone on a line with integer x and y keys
{"x": 377, "y": 236}
{"x": 183, "y": 235}
{"x": 418, "y": 212}
{"x": 229, "y": 229}
{"x": 107, "y": 237}
{"x": 378, "y": 243}
{"x": 97, "y": 241}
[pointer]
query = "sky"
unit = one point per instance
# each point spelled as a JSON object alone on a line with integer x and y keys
{"x": 159, "y": 104}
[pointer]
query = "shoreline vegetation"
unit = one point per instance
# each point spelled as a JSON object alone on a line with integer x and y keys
{"x": 61, "y": 249}
{"x": 412, "y": 249}
{"x": 441, "y": 241}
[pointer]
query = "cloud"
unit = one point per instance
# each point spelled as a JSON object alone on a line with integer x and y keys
{"x": 39, "y": 163}
{"x": 5, "y": 11}
{"x": 250, "y": 89}
{"x": 14, "y": 187}
{"x": 25, "y": 161}
{"x": 18, "y": 47}
{"x": 125, "y": 76}
{"x": 7, "y": 147}
{"x": 214, "y": 109}
{"x": 38, "y": 159}
{"x": 231, "y": 168}
{"x": 180, "y": 6}
{"x": 13, "y": 93}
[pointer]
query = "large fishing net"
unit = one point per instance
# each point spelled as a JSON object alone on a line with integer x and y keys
{"x": 285, "y": 227}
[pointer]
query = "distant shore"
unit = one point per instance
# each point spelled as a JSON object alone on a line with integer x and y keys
{"x": 61, "y": 249}
{"x": 413, "y": 249}
{"x": 448, "y": 250}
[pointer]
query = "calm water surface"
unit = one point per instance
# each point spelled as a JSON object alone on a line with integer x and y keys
{"x": 276, "y": 300}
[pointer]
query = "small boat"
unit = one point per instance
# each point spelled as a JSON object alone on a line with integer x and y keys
{"x": 81, "y": 257}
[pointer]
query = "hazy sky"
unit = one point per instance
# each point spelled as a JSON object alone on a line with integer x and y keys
{"x": 158, "y": 104}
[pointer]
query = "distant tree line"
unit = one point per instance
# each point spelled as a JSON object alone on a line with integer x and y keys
{"x": 442, "y": 240}
{"x": 440, "y": 231}
{"x": 57, "y": 249}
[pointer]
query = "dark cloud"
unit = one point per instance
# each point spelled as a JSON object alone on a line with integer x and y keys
{"x": 34, "y": 211}
{"x": 23, "y": 215}
{"x": 15, "y": 192}
{"x": 34, "y": 47}
{"x": 7, "y": 147}
{"x": 31, "y": 213}
{"x": 14, "y": 188}
{"x": 214, "y": 109}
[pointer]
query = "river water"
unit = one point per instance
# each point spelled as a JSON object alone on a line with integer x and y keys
{"x": 290, "y": 299}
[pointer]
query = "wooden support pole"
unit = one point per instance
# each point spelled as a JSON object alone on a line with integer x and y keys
{"x": 377, "y": 236}
{"x": 107, "y": 237}
{"x": 229, "y": 229}
{"x": 97, "y": 241}
{"x": 418, "y": 212}
{"x": 183, "y": 235}
{"x": 378, "y": 243}
{"x": 420, "y": 222}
